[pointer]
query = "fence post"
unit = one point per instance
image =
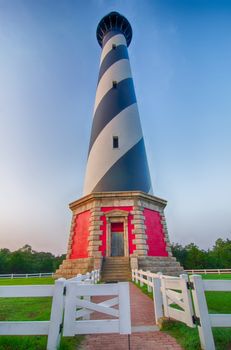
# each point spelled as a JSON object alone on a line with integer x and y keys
{"x": 97, "y": 276}
{"x": 124, "y": 308}
{"x": 141, "y": 276}
{"x": 56, "y": 319}
{"x": 187, "y": 300}
{"x": 201, "y": 310}
{"x": 164, "y": 296}
{"x": 157, "y": 298}
{"x": 92, "y": 277}
{"x": 136, "y": 275}
{"x": 149, "y": 279}
{"x": 88, "y": 276}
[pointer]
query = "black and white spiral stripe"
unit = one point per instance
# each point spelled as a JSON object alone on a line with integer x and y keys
{"x": 116, "y": 114}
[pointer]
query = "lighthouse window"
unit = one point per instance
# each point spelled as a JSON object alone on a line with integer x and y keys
{"x": 114, "y": 46}
{"x": 115, "y": 142}
{"x": 114, "y": 84}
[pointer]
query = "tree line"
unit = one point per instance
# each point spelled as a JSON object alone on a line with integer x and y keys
{"x": 27, "y": 260}
{"x": 191, "y": 256}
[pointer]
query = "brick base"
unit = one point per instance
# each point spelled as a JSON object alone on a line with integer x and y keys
{"x": 71, "y": 267}
{"x": 166, "y": 265}
{"x": 145, "y": 232}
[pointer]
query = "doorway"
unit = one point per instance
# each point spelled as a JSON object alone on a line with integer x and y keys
{"x": 117, "y": 239}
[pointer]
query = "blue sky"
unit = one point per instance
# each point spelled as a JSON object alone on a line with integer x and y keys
{"x": 180, "y": 56}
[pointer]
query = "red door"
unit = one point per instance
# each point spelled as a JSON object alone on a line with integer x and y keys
{"x": 117, "y": 239}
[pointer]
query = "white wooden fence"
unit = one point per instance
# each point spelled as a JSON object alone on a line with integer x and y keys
{"x": 207, "y": 271}
{"x": 51, "y": 327}
{"x": 172, "y": 298}
{"x": 27, "y": 275}
{"x": 170, "y": 295}
{"x": 67, "y": 296}
{"x": 79, "y": 297}
{"x": 206, "y": 320}
{"x": 91, "y": 277}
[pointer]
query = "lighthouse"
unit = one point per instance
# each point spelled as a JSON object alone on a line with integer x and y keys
{"x": 117, "y": 155}
{"x": 118, "y": 224}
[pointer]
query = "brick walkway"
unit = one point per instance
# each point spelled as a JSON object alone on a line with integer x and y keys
{"x": 141, "y": 315}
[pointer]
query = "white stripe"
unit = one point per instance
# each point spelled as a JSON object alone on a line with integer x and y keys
{"x": 120, "y": 70}
{"x": 126, "y": 125}
{"x": 117, "y": 40}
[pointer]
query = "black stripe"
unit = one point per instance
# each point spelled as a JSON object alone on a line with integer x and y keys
{"x": 129, "y": 173}
{"x": 114, "y": 101}
{"x": 110, "y": 34}
{"x": 112, "y": 56}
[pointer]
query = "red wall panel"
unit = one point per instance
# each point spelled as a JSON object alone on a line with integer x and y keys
{"x": 130, "y": 228}
{"x": 155, "y": 234}
{"x": 80, "y": 237}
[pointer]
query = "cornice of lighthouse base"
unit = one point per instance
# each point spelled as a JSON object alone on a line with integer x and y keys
{"x": 139, "y": 215}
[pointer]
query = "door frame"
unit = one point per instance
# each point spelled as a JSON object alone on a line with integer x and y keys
{"x": 116, "y": 215}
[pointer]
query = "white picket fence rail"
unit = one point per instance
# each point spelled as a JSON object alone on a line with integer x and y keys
{"x": 27, "y": 275}
{"x": 172, "y": 298}
{"x": 207, "y": 271}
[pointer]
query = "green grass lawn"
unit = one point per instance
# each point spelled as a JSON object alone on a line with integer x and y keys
{"x": 25, "y": 309}
{"x": 216, "y": 276}
{"x": 218, "y": 302}
{"x": 23, "y": 281}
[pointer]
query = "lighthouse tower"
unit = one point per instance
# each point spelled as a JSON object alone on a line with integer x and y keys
{"x": 118, "y": 224}
{"x": 117, "y": 159}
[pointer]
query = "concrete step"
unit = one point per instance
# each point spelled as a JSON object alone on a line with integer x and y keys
{"x": 116, "y": 266}
{"x": 117, "y": 272}
{"x": 116, "y": 269}
{"x": 116, "y": 276}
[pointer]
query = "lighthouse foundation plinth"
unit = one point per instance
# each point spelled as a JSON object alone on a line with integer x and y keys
{"x": 117, "y": 224}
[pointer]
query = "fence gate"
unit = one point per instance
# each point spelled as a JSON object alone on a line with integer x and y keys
{"x": 177, "y": 299}
{"x": 79, "y": 308}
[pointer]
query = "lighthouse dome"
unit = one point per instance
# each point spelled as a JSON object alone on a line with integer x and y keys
{"x": 114, "y": 21}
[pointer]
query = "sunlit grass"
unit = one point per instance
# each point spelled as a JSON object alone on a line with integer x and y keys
{"x": 24, "y": 281}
